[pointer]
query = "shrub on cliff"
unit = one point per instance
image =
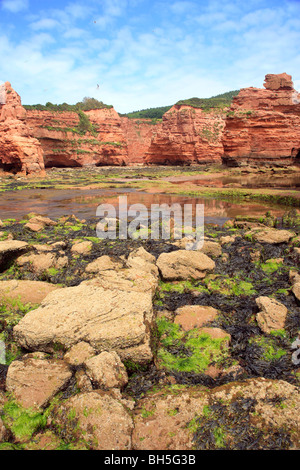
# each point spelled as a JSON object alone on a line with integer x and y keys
{"x": 85, "y": 105}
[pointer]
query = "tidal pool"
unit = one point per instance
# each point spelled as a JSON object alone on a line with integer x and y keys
{"x": 84, "y": 202}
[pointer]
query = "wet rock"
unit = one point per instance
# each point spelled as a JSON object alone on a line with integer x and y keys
{"x": 272, "y": 314}
{"x": 107, "y": 370}
{"x": 271, "y": 235}
{"x": 194, "y": 316}
{"x": 182, "y": 264}
{"x": 95, "y": 419}
{"x": 26, "y": 291}
{"x": 34, "y": 382}
{"x": 106, "y": 319}
{"x": 103, "y": 263}
{"x": 79, "y": 353}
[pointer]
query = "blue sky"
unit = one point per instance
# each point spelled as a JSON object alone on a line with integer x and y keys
{"x": 144, "y": 53}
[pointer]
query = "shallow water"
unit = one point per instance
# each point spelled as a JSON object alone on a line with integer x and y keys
{"x": 84, "y": 202}
{"x": 251, "y": 182}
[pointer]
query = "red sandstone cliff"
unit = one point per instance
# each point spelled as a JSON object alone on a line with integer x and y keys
{"x": 138, "y": 134}
{"x": 65, "y": 145}
{"x": 114, "y": 140}
{"x": 187, "y": 136}
{"x": 263, "y": 125}
{"x": 19, "y": 151}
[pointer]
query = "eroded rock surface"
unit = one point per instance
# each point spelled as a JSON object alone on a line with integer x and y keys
{"x": 106, "y": 319}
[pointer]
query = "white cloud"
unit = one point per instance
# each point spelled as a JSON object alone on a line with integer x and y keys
{"x": 14, "y": 6}
{"x": 45, "y": 23}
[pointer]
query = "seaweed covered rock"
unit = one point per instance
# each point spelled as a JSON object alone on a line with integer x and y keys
{"x": 255, "y": 414}
{"x": 95, "y": 419}
{"x": 106, "y": 319}
{"x": 161, "y": 419}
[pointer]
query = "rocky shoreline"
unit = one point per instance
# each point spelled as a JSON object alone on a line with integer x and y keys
{"x": 146, "y": 345}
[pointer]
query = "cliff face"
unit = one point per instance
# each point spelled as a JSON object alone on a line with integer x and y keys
{"x": 263, "y": 125}
{"x": 20, "y": 152}
{"x": 138, "y": 135}
{"x": 66, "y": 144}
{"x": 187, "y": 136}
{"x": 112, "y": 140}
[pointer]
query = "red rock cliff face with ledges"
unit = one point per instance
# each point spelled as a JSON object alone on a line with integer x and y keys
{"x": 187, "y": 136}
{"x": 65, "y": 146}
{"x": 263, "y": 125}
{"x": 20, "y": 152}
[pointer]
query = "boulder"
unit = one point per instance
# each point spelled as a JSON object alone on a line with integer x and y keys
{"x": 10, "y": 249}
{"x": 35, "y": 381}
{"x": 272, "y": 314}
{"x": 106, "y": 319}
{"x": 103, "y": 263}
{"x": 41, "y": 262}
{"x": 271, "y": 235}
{"x": 141, "y": 260}
{"x": 107, "y": 370}
{"x": 183, "y": 264}
{"x": 82, "y": 248}
{"x": 161, "y": 421}
{"x": 188, "y": 418}
{"x": 95, "y": 419}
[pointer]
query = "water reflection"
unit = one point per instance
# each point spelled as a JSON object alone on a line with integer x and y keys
{"x": 83, "y": 203}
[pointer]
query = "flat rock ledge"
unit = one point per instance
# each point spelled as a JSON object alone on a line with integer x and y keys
{"x": 106, "y": 319}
